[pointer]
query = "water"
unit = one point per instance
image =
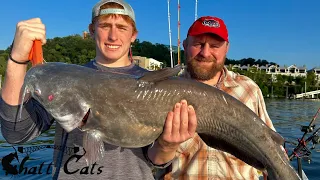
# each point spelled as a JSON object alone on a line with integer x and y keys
{"x": 287, "y": 116}
{"x": 36, "y": 155}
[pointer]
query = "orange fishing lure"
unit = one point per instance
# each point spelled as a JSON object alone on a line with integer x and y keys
{"x": 36, "y": 54}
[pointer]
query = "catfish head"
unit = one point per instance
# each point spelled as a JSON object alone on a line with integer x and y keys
{"x": 58, "y": 94}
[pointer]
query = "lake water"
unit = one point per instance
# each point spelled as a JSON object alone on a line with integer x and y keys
{"x": 287, "y": 116}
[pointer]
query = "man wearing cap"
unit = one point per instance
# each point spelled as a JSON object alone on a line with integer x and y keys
{"x": 206, "y": 47}
{"x": 113, "y": 29}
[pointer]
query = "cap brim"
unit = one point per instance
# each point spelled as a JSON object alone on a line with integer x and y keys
{"x": 212, "y": 33}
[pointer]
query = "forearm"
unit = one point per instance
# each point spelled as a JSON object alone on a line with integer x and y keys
{"x": 13, "y": 82}
{"x": 34, "y": 120}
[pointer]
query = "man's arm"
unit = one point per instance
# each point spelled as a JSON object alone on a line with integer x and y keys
{"x": 26, "y": 33}
{"x": 34, "y": 119}
{"x": 180, "y": 126}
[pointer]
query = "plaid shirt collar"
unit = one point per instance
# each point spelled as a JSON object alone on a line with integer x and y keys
{"x": 227, "y": 79}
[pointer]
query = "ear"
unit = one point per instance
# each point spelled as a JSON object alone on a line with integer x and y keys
{"x": 185, "y": 43}
{"x": 228, "y": 44}
{"x": 134, "y": 37}
{"x": 91, "y": 30}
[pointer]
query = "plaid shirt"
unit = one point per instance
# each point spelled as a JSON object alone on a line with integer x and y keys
{"x": 195, "y": 160}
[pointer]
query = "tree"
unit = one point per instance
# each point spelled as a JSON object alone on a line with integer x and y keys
{"x": 311, "y": 81}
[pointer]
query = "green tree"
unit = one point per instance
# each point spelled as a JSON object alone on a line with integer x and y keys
{"x": 311, "y": 81}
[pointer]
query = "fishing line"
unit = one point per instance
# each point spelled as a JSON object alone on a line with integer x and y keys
{"x": 130, "y": 52}
{"x": 64, "y": 139}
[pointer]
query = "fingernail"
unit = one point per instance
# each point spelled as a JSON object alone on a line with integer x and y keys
{"x": 177, "y": 105}
{"x": 190, "y": 107}
{"x": 183, "y": 102}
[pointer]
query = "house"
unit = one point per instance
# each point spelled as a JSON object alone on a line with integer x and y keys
{"x": 292, "y": 70}
{"x": 236, "y": 66}
{"x": 147, "y": 63}
{"x": 263, "y": 68}
{"x": 316, "y": 70}
{"x": 272, "y": 69}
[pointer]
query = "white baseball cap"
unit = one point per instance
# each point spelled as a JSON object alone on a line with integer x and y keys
{"x": 126, "y": 11}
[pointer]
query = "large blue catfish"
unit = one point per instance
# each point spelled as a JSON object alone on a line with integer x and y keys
{"x": 130, "y": 111}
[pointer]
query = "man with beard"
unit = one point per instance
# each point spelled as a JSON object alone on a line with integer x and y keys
{"x": 206, "y": 47}
{"x": 113, "y": 29}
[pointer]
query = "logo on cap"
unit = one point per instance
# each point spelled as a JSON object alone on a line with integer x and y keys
{"x": 211, "y": 23}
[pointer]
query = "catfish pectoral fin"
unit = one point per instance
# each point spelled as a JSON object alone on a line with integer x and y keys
{"x": 93, "y": 146}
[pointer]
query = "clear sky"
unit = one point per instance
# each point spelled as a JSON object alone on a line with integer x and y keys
{"x": 280, "y": 31}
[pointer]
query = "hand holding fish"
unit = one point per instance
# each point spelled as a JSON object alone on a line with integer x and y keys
{"x": 26, "y": 32}
{"x": 180, "y": 126}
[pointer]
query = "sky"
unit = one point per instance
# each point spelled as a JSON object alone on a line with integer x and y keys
{"x": 282, "y": 31}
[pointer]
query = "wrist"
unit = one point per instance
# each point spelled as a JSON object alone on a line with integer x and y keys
{"x": 18, "y": 61}
{"x": 160, "y": 156}
{"x": 16, "y": 57}
{"x": 166, "y": 147}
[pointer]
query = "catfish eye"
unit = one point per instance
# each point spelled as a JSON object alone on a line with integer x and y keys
{"x": 50, "y": 97}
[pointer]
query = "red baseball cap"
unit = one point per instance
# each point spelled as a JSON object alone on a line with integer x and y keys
{"x": 209, "y": 24}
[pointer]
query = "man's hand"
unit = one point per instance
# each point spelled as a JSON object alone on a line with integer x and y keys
{"x": 26, "y": 32}
{"x": 180, "y": 125}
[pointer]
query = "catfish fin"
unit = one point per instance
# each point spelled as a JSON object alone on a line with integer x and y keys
{"x": 93, "y": 146}
{"x": 276, "y": 137}
{"x": 161, "y": 74}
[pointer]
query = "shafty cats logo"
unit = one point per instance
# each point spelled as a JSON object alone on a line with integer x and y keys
{"x": 18, "y": 162}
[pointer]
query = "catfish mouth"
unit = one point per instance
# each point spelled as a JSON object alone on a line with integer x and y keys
{"x": 85, "y": 119}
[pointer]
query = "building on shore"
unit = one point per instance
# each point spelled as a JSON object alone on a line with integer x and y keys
{"x": 85, "y": 34}
{"x": 274, "y": 70}
{"x": 316, "y": 70}
{"x": 147, "y": 63}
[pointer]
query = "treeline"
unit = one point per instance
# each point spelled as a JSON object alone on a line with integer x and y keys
{"x": 76, "y": 50}
{"x": 250, "y": 61}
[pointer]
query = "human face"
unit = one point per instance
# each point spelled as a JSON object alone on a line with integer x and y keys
{"x": 205, "y": 55}
{"x": 113, "y": 36}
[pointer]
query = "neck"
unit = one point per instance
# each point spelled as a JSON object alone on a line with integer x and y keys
{"x": 213, "y": 81}
{"x": 122, "y": 62}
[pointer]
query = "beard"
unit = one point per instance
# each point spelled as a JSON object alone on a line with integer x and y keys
{"x": 204, "y": 73}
